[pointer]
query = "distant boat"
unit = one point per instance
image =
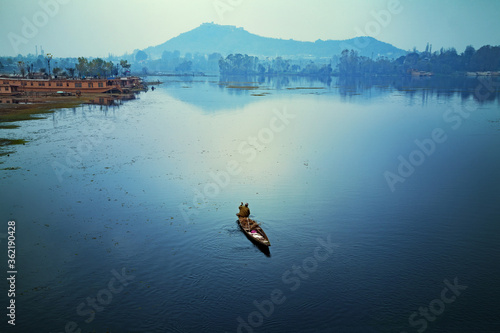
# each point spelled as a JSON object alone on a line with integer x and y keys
{"x": 253, "y": 231}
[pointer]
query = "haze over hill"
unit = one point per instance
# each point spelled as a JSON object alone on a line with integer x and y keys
{"x": 225, "y": 39}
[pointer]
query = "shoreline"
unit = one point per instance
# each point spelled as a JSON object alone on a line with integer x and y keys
{"x": 21, "y": 108}
{"x": 32, "y": 108}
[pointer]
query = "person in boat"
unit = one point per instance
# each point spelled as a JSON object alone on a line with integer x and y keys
{"x": 244, "y": 210}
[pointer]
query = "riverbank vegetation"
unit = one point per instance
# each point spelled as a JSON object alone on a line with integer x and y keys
{"x": 46, "y": 66}
{"x": 239, "y": 64}
{"x": 348, "y": 63}
{"x": 444, "y": 62}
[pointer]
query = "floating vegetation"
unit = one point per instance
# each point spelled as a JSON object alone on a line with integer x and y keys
{"x": 11, "y": 126}
{"x": 11, "y": 168}
{"x": 260, "y": 94}
{"x": 151, "y": 83}
{"x": 9, "y": 142}
{"x": 242, "y": 87}
{"x": 297, "y": 88}
{"x": 237, "y": 83}
{"x": 23, "y": 114}
{"x": 28, "y": 108}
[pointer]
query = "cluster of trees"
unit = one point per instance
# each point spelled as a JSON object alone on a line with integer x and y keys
{"x": 100, "y": 68}
{"x": 172, "y": 61}
{"x": 239, "y": 64}
{"x": 47, "y": 65}
{"x": 487, "y": 58}
{"x": 30, "y": 64}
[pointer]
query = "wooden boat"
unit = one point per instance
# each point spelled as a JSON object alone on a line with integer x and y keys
{"x": 253, "y": 231}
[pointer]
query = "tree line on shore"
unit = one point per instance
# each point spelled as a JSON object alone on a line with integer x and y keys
{"x": 239, "y": 64}
{"x": 63, "y": 67}
{"x": 348, "y": 63}
{"x": 445, "y": 62}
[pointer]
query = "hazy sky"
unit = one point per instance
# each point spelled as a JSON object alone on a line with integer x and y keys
{"x": 98, "y": 27}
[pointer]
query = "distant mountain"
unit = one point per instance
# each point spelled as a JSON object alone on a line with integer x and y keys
{"x": 226, "y": 39}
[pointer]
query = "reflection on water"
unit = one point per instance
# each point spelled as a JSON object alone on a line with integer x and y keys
{"x": 114, "y": 100}
{"x": 235, "y": 92}
{"x": 14, "y": 100}
{"x": 99, "y": 100}
{"x": 152, "y": 187}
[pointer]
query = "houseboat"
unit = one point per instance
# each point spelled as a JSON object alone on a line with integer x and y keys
{"x": 17, "y": 85}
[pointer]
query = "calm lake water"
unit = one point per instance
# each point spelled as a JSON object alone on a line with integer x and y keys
{"x": 381, "y": 200}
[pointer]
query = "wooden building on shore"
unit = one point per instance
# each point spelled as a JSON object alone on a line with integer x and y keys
{"x": 18, "y": 86}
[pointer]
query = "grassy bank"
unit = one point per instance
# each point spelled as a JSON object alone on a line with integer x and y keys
{"x": 27, "y": 108}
